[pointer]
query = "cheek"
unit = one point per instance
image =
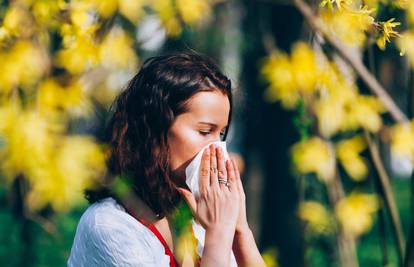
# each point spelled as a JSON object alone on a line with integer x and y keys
{"x": 184, "y": 146}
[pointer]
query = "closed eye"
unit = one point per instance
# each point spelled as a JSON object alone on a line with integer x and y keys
{"x": 209, "y": 132}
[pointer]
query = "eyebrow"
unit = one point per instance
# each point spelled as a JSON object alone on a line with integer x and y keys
{"x": 211, "y": 124}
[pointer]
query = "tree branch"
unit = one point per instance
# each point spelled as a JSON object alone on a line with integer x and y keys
{"x": 345, "y": 242}
{"x": 354, "y": 62}
{"x": 388, "y": 196}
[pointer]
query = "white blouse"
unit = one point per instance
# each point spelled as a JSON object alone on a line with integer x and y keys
{"x": 108, "y": 236}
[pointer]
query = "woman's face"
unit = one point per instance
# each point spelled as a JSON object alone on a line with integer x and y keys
{"x": 204, "y": 122}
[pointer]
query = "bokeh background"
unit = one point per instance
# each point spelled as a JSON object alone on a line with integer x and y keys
{"x": 322, "y": 125}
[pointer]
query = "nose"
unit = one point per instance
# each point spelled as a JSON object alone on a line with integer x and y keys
{"x": 213, "y": 139}
{"x": 216, "y": 138}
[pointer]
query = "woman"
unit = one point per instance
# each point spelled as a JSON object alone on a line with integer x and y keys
{"x": 176, "y": 105}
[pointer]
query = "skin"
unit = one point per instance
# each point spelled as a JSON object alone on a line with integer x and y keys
{"x": 190, "y": 132}
{"x": 221, "y": 210}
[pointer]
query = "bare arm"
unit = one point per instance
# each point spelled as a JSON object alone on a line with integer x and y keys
{"x": 244, "y": 246}
{"x": 245, "y": 249}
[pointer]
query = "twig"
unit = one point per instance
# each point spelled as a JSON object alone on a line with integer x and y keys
{"x": 346, "y": 242}
{"x": 383, "y": 236}
{"x": 388, "y": 196}
{"x": 409, "y": 254}
{"x": 355, "y": 62}
{"x": 381, "y": 213}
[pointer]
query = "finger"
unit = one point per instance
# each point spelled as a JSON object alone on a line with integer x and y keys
{"x": 236, "y": 169}
{"x": 204, "y": 183}
{"x": 213, "y": 167}
{"x": 221, "y": 166}
{"x": 230, "y": 173}
{"x": 238, "y": 182}
{"x": 189, "y": 198}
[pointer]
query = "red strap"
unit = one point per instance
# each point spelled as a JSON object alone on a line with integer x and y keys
{"x": 173, "y": 261}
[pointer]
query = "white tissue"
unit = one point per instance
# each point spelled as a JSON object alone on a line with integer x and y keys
{"x": 192, "y": 174}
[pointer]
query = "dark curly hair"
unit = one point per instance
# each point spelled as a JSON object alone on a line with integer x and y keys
{"x": 142, "y": 115}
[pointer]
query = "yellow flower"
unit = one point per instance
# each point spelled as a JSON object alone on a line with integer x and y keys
{"x": 331, "y": 108}
{"x": 402, "y": 139}
{"x": 79, "y": 55}
{"x": 125, "y": 57}
{"x": 276, "y": 68}
{"x": 330, "y": 114}
{"x": 270, "y": 257}
{"x": 364, "y": 111}
{"x": 18, "y": 21}
{"x": 81, "y": 14}
{"x": 29, "y": 140}
{"x": 77, "y": 164}
{"x": 168, "y": 16}
{"x": 173, "y": 13}
{"x": 339, "y": 3}
{"x": 372, "y": 3}
{"x": 57, "y": 167}
{"x": 192, "y": 11}
{"x": 316, "y": 216}
{"x": 46, "y": 13}
{"x": 132, "y": 10}
{"x": 186, "y": 248}
{"x": 315, "y": 156}
{"x": 400, "y": 3}
{"x": 349, "y": 25}
{"x": 23, "y": 65}
{"x": 387, "y": 29}
{"x": 348, "y": 154}
{"x": 406, "y": 44}
{"x": 291, "y": 78}
{"x": 105, "y": 8}
{"x": 410, "y": 11}
{"x": 305, "y": 68}
{"x": 355, "y": 212}
{"x": 52, "y": 95}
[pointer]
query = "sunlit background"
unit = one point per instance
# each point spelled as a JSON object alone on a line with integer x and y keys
{"x": 322, "y": 129}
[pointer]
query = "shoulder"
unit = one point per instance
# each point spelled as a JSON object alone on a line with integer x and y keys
{"x": 108, "y": 236}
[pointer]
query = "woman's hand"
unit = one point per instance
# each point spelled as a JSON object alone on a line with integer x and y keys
{"x": 217, "y": 208}
{"x": 218, "y": 205}
{"x": 241, "y": 225}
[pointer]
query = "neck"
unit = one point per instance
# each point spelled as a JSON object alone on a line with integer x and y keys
{"x": 139, "y": 209}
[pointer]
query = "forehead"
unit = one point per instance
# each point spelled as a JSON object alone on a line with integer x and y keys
{"x": 212, "y": 106}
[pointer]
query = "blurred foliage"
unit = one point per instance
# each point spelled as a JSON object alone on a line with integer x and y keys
{"x": 62, "y": 61}
{"x": 59, "y": 60}
{"x": 320, "y": 84}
